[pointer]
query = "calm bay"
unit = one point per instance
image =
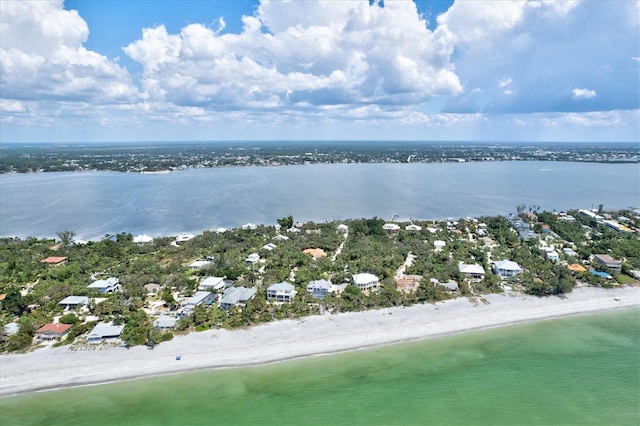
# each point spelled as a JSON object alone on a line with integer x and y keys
{"x": 95, "y": 203}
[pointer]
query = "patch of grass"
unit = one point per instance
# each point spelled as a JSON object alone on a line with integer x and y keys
{"x": 625, "y": 279}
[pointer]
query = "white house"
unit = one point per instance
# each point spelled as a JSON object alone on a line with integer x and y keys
{"x": 269, "y": 246}
{"x": 473, "y": 272}
{"x": 236, "y": 295}
{"x": 199, "y": 264}
{"x": 413, "y": 227}
{"x": 506, "y": 268}
{"x": 109, "y": 285}
{"x": 212, "y": 283}
{"x": 281, "y": 292}
{"x": 281, "y": 237}
{"x": 391, "y": 227}
{"x": 142, "y": 239}
{"x": 319, "y": 288}
{"x": 249, "y": 226}
{"x": 365, "y": 281}
{"x": 342, "y": 229}
{"x": 201, "y": 298}
{"x": 184, "y": 237}
{"x": 252, "y": 258}
{"x": 104, "y": 330}
{"x": 439, "y": 245}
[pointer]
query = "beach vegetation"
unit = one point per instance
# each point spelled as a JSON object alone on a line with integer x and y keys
{"x": 31, "y": 290}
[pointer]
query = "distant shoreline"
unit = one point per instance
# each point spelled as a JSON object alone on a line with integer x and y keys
{"x": 56, "y": 368}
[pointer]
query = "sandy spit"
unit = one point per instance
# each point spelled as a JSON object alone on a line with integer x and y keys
{"x": 52, "y": 368}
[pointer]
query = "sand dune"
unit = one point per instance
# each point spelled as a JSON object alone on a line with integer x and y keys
{"x": 52, "y": 368}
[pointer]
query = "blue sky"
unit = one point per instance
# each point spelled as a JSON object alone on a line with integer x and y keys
{"x": 529, "y": 70}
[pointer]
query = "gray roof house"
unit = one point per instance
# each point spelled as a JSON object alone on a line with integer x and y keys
{"x": 319, "y": 288}
{"x": 104, "y": 330}
{"x": 109, "y": 285}
{"x": 506, "y": 268}
{"x": 212, "y": 283}
{"x": 72, "y": 302}
{"x": 236, "y": 295}
{"x": 164, "y": 322}
{"x": 281, "y": 292}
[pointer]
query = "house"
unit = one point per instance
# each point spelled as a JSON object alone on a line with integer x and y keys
{"x": 252, "y": 258}
{"x": 366, "y": 281}
{"x": 236, "y": 295}
{"x": 408, "y": 283}
{"x": 104, "y": 330}
{"x": 52, "y": 331}
{"x": 439, "y": 245}
{"x": 109, "y": 285}
{"x": 608, "y": 262}
{"x": 392, "y": 227}
{"x": 198, "y": 264}
{"x": 575, "y": 267}
{"x": 552, "y": 255}
{"x": 316, "y": 253}
{"x": 73, "y": 302}
{"x": 546, "y": 229}
{"x": 165, "y": 322}
{"x": 281, "y": 292}
{"x": 142, "y": 239}
{"x": 269, "y": 246}
{"x": 342, "y": 229}
{"x": 473, "y": 272}
{"x": 281, "y": 237}
{"x": 184, "y": 237}
{"x": 449, "y": 285}
{"x": 11, "y": 329}
{"x": 413, "y": 227}
{"x": 212, "y": 283}
{"x": 54, "y": 260}
{"x": 201, "y": 298}
{"x": 569, "y": 252}
{"x": 249, "y": 226}
{"x": 319, "y": 288}
{"x": 506, "y": 268}
{"x": 293, "y": 230}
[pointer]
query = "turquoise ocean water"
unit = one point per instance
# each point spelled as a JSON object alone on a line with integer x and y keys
{"x": 578, "y": 370}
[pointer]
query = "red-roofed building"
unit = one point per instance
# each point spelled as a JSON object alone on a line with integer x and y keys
{"x": 52, "y": 331}
{"x": 54, "y": 260}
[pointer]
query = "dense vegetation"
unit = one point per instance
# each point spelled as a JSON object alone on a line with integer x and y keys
{"x": 155, "y": 277}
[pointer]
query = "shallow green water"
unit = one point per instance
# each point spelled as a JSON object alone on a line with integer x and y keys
{"x": 580, "y": 370}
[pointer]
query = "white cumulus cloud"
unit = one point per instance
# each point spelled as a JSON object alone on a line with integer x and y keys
{"x": 583, "y": 93}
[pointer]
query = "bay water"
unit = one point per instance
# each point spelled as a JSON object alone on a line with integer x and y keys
{"x": 96, "y": 203}
{"x": 571, "y": 371}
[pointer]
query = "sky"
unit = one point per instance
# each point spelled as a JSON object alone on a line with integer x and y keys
{"x": 146, "y": 70}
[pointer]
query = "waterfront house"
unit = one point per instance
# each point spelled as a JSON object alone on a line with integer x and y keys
{"x": 52, "y": 331}
{"x": 608, "y": 262}
{"x": 408, "y": 283}
{"x": 110, "y": 285}
{"x": 11, "y": 329}
{"x": 506, "y": 268}
{"x": 236, "y": 295}
{"x": 164, "y": 322}
{"x": 449, "y": 285}
{"x": 473, "y": 272}
{"x": 281, "y": 292}
{"x": 201, "y": 298}
{"x": 73, "y": 302}
{"x": 319, "y": 288}
{"x": 365, "y": 281}
{"x": 104, "y": 330}
{"x": 54, "y": 260}
{"x": 212, "y": 283}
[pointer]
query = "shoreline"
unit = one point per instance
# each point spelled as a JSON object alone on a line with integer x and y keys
{"x": 48, "y": 369}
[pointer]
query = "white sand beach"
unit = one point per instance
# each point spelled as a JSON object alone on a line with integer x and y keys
{"x": 51, "y": 368}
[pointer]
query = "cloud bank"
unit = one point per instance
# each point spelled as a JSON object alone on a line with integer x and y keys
{"x": 374, "y": 69}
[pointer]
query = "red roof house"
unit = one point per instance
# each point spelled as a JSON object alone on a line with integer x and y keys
{"x": 52, "y": 331}
{"x": 54, "y": 260}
